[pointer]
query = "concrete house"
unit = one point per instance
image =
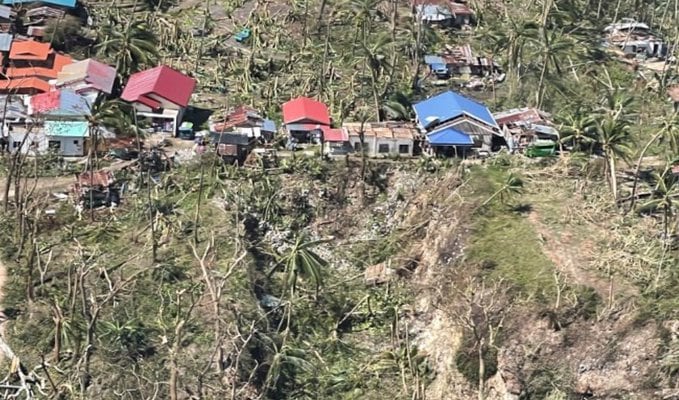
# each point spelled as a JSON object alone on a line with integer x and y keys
{"x": 453, "y": 124}
{"x": 382, "y": 139}
{"x": 65, "y": 126}
{"x": 160, "y": 95}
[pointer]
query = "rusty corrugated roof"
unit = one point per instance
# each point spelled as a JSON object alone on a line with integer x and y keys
{"x": 388, "y": 130}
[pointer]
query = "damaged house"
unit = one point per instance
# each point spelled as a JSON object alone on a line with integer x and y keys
{"x": 526, "y": 127}
{"x": 455, "y": 125}
{"x": 444, "y": 12}
{"x": 635, "y": 40}
{"x": 246, "y": 121}
{"x": 461, "y": 61}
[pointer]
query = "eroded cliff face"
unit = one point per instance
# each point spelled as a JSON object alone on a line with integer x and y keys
{"x": 579, "y": 345}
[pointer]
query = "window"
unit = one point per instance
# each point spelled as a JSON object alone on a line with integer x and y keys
{"x": 403, "y": 149}
{"x": 15, "y": 144}
{"x": 76, "y": 142}
{"x": 54, "y": 144}
{"x": 357, "y": 146}
{"x": 383, "y": 148}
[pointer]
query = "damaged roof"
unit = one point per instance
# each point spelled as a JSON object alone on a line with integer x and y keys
{"x": 526, "y": 115}
{"x": 386, "y": 130}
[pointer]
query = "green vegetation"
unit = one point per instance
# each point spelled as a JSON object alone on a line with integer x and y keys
{"x": 209, "y": 281}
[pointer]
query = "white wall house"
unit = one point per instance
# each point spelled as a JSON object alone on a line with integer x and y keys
{"x": 382, "y": 139}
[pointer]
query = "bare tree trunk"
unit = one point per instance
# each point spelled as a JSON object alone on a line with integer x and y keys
{"x": 482, "y": 369}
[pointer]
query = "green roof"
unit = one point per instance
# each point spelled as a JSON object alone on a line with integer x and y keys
{"x": 66, "y": 128}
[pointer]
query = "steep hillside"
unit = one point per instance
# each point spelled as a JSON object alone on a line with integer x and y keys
{"x": 271, "y": 301}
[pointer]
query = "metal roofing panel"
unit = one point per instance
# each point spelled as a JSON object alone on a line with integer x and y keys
{"x": 229, "y": 138}
{"x": 449, "y": 137}
{"x": 161, "y": 81}
{"x": 60, "y": 103}
{"x": 66, "y": 128}
{"x": 431, "y": 60}
{"x": 305, "y": 108}
{"x": 6, "y": 41}
{"x": 450, "y": 105}
{"x": 63, "y": 3}
{"x": 269, "y": 126}
{"x": 30, "y": 83}
{"x": 389, "y": 130}
{"x": 13, "y": 107}
{"x": 334, "y": 135}
{"x": 97, "y": 74}
{"x": 29, "y": 50}
{"x": 7, "y": 12}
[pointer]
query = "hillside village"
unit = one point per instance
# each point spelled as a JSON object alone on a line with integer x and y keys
{"x": 350, "y": 199}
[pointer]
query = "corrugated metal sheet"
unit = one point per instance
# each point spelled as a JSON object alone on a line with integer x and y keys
{"x": 6, "y": 41}
{"x": 12, "y": 107}
{"x": 161, "y": 81}
{"x": 63, "y": 3}
{"x": 449, "y": 137}
{"x": 90, "y": 71}
{"x": 304, "y": 108}
{"x": 387, "y": 130}
{"x": 7, "y": 12}
{"x": 269, "y": 126}
{"x": 60, "y": 103}
{"x": 66, "y": 128}
{"x": 450, "y": 105}
{"x": 29, "y": 50}
{"x": 45, "y": 12}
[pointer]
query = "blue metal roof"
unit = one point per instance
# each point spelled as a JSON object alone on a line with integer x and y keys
{"x": 269, "y": 126}
{"x": 6, "y": 41}
{"x": 450, "y": 105}
{"x": 431, "y": 60}
{"x": 449, "y": 137}
{"x": 66, "y": 128}
{"x": 71, "y": 104}
{"x": 63, "y": 3}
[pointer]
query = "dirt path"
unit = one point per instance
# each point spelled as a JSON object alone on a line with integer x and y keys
{"x": 571, "y": 256}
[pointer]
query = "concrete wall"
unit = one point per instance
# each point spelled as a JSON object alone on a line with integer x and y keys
{"x": 36, "y": 143}
{"x": 373, "y": 143}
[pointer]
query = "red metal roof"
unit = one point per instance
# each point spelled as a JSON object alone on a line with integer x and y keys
{"x": 334, "y": 135}
{"x": 305, "y": 109}
{"x": 29, "y": 50}
{"x": 241, "y": 117}
{"x": 161, "y": 81}
{"x": 46, "y": 101}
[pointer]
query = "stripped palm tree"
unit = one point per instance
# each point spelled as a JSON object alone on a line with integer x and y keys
{"x": 301, "y": 262}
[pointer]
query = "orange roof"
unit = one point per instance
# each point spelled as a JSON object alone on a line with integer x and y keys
{"x": 29, "y": 50}
{"x": 25, "y": 83}
{"x": 59, "y": 61}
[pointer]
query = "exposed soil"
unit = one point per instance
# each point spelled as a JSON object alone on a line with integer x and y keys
{"x": 571, "y": 255}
